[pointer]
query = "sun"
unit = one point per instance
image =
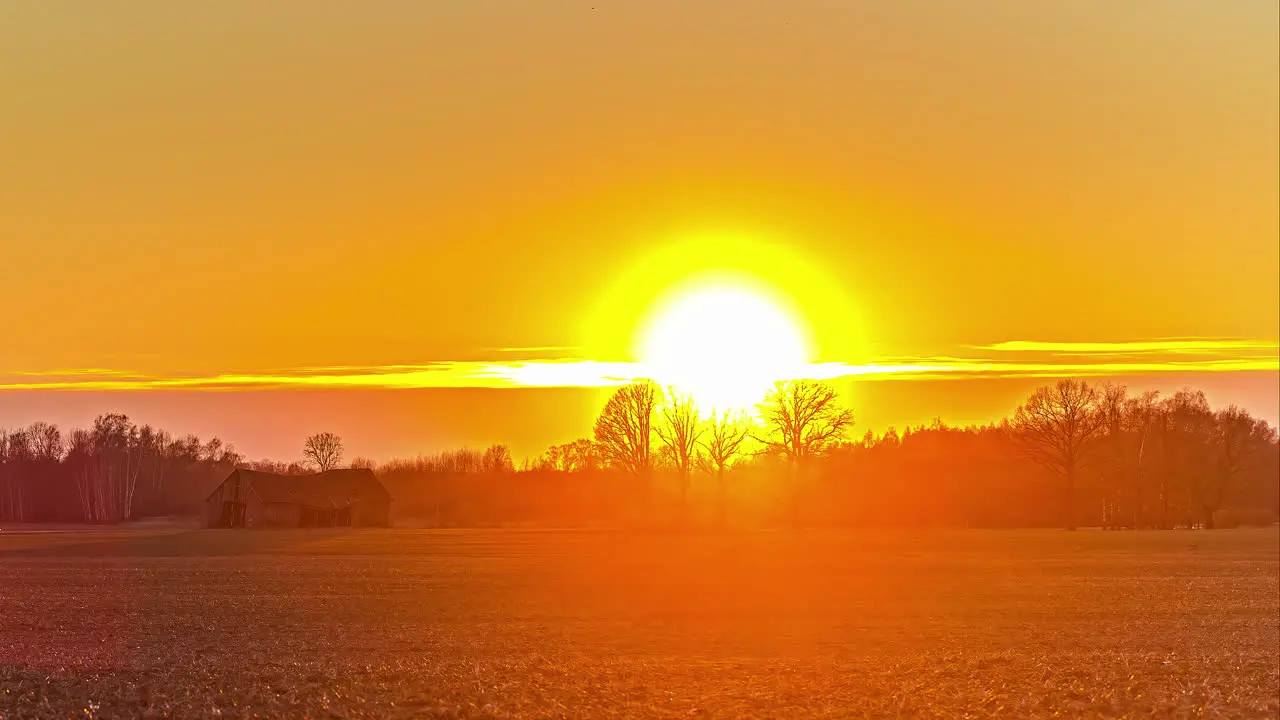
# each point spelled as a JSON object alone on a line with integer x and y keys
{"x": 724, "y": 341}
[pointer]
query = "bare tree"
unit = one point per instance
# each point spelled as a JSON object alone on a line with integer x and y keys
{"x": 585, "y": 454}
{"x": 624, "y": 430}
{"x": 580, "y": 455}
{"x": 458, "y": 462}
{"x": 1142, "y": 415}
{"x": 119, "y": 461}
{"x": 1054, "y": 426}
{"x": 106, "y": 462}
{"x": 679, "y": 431}
{"x": 1238, "y": 440}
{"x": 27, "y": 458}
{"x": 323, "y": 451}
{"x": 1187, "y": 428}
{"x": 1113, "y": 402}
{"x": 155, "y": 446}
{"x": 723, "y": 442}
{"x": 497, "y": 459}
{"x": 15, "y": 455}
{"x": 46, "y": 441}
{"x": 803, "y": 419}
{"x": 557, "y": 457}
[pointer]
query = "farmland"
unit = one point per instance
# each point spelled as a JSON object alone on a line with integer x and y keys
{"x": 437, "y": 623}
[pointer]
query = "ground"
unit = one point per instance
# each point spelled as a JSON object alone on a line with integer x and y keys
{"x": 403, "y": 623}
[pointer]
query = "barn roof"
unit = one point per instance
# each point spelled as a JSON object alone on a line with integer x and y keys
{"x": 330, "y": 489}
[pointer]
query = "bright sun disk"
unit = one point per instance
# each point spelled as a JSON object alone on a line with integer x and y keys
{"x": 724, "y": 344}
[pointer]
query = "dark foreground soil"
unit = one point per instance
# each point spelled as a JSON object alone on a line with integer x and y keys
{"x": 507, "y": 624}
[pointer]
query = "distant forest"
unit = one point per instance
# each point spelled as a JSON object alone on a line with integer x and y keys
{"x": 1072, "y": 454}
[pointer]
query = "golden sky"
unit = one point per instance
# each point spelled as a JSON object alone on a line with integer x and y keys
{"x": 353, "y": 213}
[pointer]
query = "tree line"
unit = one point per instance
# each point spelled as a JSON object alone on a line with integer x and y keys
{"x": 1073, "y": 453}
{"x": 108, "y": 473}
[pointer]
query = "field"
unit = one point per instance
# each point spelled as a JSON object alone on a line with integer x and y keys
{"x": 403, "y": 623}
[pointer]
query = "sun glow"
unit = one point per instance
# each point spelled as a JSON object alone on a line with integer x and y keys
{"x": 725, "y": 342}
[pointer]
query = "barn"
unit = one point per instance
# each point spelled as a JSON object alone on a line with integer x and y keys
{"x": 334, "y": 498}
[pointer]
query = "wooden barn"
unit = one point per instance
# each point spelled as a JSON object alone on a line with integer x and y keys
{"x": 336, "y": 498}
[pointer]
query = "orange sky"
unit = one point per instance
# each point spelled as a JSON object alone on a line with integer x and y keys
{"x": 258, "y": 189}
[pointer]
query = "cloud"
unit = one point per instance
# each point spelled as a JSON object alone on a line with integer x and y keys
{"x": 61, "y": 372}
{"x": 529, "y": 373}
{"x": 1047, "y": 359}
{"x": 536, "y": 349}
{"x": 1194, "y": 346}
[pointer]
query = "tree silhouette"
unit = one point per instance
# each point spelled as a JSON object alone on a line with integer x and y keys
{"x": 803, "y": 419}
{"x": 724, "y": 437}
{"x": 1054, "y": 426}
{"x": 624, "y": 430}
{"x": 1186, "y": 437}
{"x": 1152, "y": 462}
{"x": 46, "y": 441}
{"x": 113, "y": 479}
{"x": 15, "y": 451}
{"x": 497, "y": 459}
{"x": 1114, "y": 437}
{"x": 1238, "y": 441}
{"x": 581, "y": 455}
{"x": 679, "y": 432}
{"x": 1142, "y": 415}
{"x": 323, "y": 451}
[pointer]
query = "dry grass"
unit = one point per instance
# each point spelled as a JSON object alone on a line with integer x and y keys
{"x": 551, "y": 624}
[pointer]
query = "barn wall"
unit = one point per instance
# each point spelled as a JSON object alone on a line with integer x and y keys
{"x": 253, "y": 510}
{"x": 279, "y": 515}
{"x": 371, "y": 512}
{"x": 213, "y": 506}
{"x": 227, "y": 490}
